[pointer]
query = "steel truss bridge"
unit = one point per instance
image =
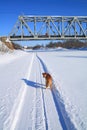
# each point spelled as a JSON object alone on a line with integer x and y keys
{"x": 49, "y": 28}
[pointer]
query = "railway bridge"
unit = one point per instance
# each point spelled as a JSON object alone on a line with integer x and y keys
{"x": 49, "y": 28}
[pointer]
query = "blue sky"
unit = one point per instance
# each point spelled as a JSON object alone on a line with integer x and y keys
{"x": 10, "y": 10}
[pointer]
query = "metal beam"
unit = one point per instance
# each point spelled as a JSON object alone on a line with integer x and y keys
{"x": 49, "y": 27}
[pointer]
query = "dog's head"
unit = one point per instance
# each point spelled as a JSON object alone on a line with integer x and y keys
{"x": 44, "y": 75}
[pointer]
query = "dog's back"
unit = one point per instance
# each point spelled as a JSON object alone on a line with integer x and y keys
{"x": 48, "y": 79}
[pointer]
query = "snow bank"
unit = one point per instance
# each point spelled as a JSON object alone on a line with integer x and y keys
{"x": 10, "y": 56}
{"x": 4, "y": 48}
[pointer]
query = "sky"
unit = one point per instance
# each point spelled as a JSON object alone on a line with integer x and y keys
{"x": 10, "y": 10}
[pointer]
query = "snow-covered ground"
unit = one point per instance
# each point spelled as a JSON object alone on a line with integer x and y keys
{"x": 25, "y": 104}
{"x": 4, "y": 48}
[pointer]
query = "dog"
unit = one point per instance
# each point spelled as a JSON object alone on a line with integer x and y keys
{"x": 48, "y": 79}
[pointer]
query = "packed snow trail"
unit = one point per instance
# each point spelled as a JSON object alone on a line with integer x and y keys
{"x": 34, "y": 114}
{"x": 38, "y": 108}
{"x": 30, "y": 113}
{"x": 64, "y": 118}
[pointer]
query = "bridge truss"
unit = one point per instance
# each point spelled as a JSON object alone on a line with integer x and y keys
{"x": 49, "y": 27}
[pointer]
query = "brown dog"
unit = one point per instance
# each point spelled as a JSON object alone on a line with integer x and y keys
{"x": 48, "y": 79}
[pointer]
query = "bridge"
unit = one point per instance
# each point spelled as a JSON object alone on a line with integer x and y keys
{"x": 49, "y": 28}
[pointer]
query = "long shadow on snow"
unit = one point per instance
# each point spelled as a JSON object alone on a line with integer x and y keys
{"x": 63, "y": 115}
{"x": 40, "y": 86}
{"x": 65, "y": 120}
{"x": 33, "y": 84}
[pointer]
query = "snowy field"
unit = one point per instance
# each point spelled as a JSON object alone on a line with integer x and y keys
{"x": 25, "y": 104}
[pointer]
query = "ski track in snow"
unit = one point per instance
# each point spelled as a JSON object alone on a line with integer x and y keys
{"x": 39, "y": 122}
{"x": 11, "y": 121}
{"x": 38, "y": 108}
{"x": 65, "y": 121}
{"x": 69, "y": 118}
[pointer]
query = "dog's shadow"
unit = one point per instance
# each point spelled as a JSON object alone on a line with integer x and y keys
{"x": 34, "y": 84}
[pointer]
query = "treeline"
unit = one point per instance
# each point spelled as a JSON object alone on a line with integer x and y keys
{"x": 67, "y": 44}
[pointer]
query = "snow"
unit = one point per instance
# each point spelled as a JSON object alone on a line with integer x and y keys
{"x": 25, "y": 104}
{"x": 4, "y": 48}
{"x": 7, "y": 40}
{"x": 69, "y": 70}
{"x": 10, "y": 56}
